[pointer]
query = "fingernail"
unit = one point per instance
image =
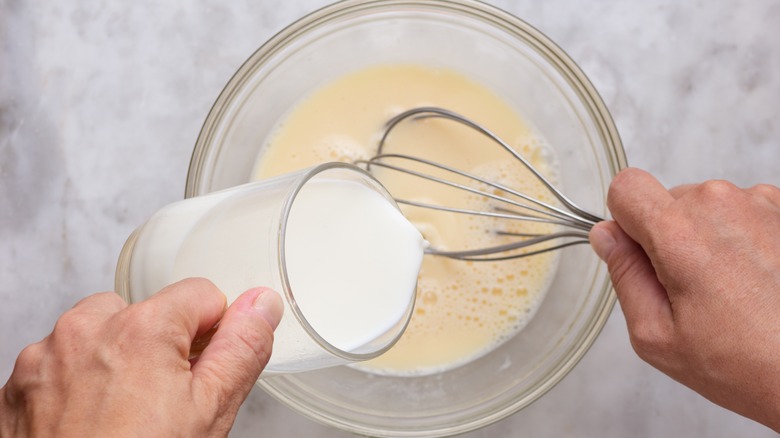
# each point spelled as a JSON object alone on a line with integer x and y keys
{"x": 270, "y": 306}
{"x": 602, "y": 241}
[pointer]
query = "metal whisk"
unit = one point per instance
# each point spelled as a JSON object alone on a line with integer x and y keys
{"x": 515, "y": 205}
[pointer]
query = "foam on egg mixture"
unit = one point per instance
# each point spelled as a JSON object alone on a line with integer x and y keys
{"x": 463, "y": 309}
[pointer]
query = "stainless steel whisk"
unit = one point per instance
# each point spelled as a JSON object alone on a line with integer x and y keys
{"x": 575, "y": 221}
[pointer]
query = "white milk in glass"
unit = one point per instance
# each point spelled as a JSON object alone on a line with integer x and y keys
{"x": 352, "y": 259}
{"x": 348, "y": 236}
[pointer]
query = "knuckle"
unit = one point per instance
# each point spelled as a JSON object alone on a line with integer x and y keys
{"x": 649, "y": 341}
{"x": 29, "y": 370}
{"x": 142, "y": 319}
{"x": 265, "y": 343}
{"x": 25, "y": 375}
{"x": 145, "y": 325}
{"x": 30, "y": 357}
{"x": 717, "y": 190}
{"x": 137, "y": 323}
{"x": 764, "y": 188}
{"x": 199, "y": 290}
{"x": 767, "y": 191}
{"x": 140, "y": 316}
{"x": 111, "y": 300}
{"x": 104, "y": 303}
{"x": 200, "y": 284}
{"x": 72, "y": 325}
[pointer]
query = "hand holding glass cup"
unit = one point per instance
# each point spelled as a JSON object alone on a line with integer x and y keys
{"x": 330, "y": 239}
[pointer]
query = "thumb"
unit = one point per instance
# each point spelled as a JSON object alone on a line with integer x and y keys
{"x": 239, "y": 350}
{"x": 643, "y": 299}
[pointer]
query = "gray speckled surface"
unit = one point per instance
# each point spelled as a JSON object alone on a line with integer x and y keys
{"x": 100, "y": 107}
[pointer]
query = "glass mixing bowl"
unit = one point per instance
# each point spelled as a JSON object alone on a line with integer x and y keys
{"x": 534, "y": 76}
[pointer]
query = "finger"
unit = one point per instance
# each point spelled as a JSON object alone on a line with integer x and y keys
{"x": 82, "y": 322}
{"x": 240, "y": 348}
{"x": 766, "y": 191}
{"x": 106, "y": 303}
{"x": 643, "y": 299}
{"x": 681, "y": 190}
{"x": 195, "y": 304}
{"x": 26, "y": 372}
{"x": 636, "y": 200}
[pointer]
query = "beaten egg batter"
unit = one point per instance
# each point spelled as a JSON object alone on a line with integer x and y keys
{"x": 463, "y": 309}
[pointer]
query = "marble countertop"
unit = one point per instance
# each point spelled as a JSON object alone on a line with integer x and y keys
{"x": 100, "y": 106}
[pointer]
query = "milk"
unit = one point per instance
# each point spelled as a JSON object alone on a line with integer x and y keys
{"x": 351, "y": 259}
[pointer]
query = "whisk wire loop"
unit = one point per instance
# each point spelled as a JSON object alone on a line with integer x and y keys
{"x": 577, "y": 220}
{"x": 429, "y": 112}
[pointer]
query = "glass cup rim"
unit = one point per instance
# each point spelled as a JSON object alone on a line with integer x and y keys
{"x": 306, "y": 176}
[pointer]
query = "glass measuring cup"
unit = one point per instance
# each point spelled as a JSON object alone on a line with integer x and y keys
{"x": 197, "y": 237}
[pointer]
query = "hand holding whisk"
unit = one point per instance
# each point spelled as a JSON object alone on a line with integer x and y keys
{"x": 571, "y": 222}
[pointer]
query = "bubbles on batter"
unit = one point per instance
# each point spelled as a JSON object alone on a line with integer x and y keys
{"x": 339, "y": 148}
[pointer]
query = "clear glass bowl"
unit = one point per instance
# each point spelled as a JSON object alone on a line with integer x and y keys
{"x": 547, "y": 89}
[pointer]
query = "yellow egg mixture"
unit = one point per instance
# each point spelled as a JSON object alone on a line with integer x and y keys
{"x": 463, "y": 309}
